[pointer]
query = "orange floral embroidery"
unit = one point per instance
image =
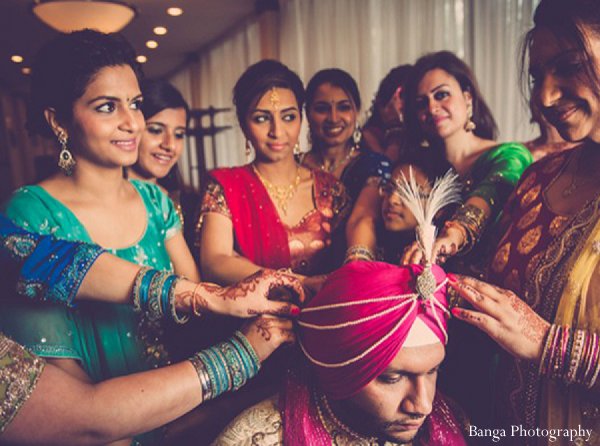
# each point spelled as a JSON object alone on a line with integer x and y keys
{"x": 557, "y": 225}
{"x": 531, "y": 215}
{"x": 501, "y": 258}
{"x": 527, "y": 183}
{"x": 530, "y": 196}
{"x": 529, "y": 240}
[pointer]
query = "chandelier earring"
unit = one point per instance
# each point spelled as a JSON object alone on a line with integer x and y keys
{"x": 297, "y": 150}
{"x": 66, "y": 162}
{"x": 249, "y": 150}
{"x": 356, "y": 137}
{"x": 470, "y": 125}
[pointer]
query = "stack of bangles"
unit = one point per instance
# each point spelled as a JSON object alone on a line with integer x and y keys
{"x": 154, "y": 294}
{"x": 571, "y": 355}
{"x": 360, "y": 253}
{"x": 470, "y": 221}
{"x": 226, "y": 366}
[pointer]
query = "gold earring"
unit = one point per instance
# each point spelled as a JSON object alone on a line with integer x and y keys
{"x": 356, "y": 137}
{"x": 248, "y": 150}
{"x": 66, "y": 162}
{"x": 470, "y": 125}
{"x": 297, "y": 148}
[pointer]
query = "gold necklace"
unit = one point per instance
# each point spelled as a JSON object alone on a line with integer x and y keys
{"x": 322, "y": 402}
{"x": 332, "y": 168}
{"x": 571, "y": 188}
{"x": 280, "y": 194}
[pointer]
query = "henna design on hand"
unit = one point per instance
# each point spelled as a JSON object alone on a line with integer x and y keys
{"x": 532, "y": 326}
{"x": 263, "y": 326}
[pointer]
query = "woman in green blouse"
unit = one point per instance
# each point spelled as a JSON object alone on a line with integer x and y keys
{"x": 447, "y": 114}
{"x": 85, "y": 93}
{"x": 43, "y": 404}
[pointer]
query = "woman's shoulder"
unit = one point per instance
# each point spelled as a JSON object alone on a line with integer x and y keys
{"x": 226, "y": 173}
{"x": 32, "y": 208}
{"x": 509, "y": 149}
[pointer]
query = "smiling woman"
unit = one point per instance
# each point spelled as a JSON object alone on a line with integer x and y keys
{"x": 85, "y": 92}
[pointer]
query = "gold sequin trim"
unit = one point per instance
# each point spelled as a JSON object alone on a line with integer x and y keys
{"x": 501, "y": 258}
{"x": 533, "y": 264}
{"x": 529, "y": 240}
{"x": 531, "y": 215}
{"x": 19, "y": 373}
{"x": 527, "y": 183}
{"x": 530, "y": 196}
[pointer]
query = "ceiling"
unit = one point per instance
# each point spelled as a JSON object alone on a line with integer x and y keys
{"x": 202, "y": 22}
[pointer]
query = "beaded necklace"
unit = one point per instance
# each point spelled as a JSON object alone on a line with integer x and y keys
{"x": 280, "y": 194}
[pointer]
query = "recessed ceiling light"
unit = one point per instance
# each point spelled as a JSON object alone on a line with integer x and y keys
{"x": 141, "y": 58}
{"x": 26, "y": 70}
{"x": 16, "y": 58}
{"x": 152, "y": 44}
{"x": 174, "y": 11}
{"x": 160, "y": 30}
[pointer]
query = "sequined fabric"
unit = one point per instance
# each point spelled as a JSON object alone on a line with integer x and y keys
{"x": 19, "y": 373}
{"x": 533, "y": 260}
{"x": 310, "y": 236}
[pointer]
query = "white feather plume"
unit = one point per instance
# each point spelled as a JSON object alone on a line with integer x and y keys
{"x": 425, "y": 205}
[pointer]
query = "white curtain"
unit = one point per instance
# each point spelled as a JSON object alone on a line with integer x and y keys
{"x": 498, "y": 31}
{"x": 367, "y": 38}
{"x": 216, "y": 72}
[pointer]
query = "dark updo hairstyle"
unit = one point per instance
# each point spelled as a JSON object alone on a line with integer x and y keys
{"x": 336, "y": 77}
{"x": 160, "y": 95}
{"x": 257, "y": 80}
{"x": 567, "y": 21}
{"x": 397, "y": 77}
{"x": 64, "y": 67}
{"x": 451, "y": 64}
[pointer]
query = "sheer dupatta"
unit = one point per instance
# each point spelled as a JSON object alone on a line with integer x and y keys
{"x": 259, "y": 233}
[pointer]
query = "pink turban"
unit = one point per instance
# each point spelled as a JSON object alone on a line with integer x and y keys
{"x": 366, "y": 311}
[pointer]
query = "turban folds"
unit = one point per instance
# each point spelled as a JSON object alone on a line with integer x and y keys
{"x": 365, "y": 312}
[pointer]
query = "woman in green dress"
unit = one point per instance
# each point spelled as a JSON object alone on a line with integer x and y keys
{"x": 85, "y": 92}
{"x": 448, "y": 117}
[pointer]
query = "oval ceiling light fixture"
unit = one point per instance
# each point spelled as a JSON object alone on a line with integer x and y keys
{"x": 107, "y": 16}
{"x": 160, "y": 30}
{"x": 152, "y": 44}
{"x": 174, "y": 11}
{"x": 16, "y": 58}
{"x": 141, "y": 58}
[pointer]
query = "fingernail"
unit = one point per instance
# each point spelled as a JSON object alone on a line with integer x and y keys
{"x": 451, "y": 278}
{"x": 295, "y": 311}
{"x": 456, "y": 312}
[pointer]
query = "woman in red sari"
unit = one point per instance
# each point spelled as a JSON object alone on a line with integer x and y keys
{"x": 273, "y": 212}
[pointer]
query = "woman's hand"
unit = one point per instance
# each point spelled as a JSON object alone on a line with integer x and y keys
{"x": 264, "y": 292}
{"x": 267, "y": 333}
{"x": 446, "y": 245}
{"x": 503, "y": 316}
{"x": 312, "y": 284}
